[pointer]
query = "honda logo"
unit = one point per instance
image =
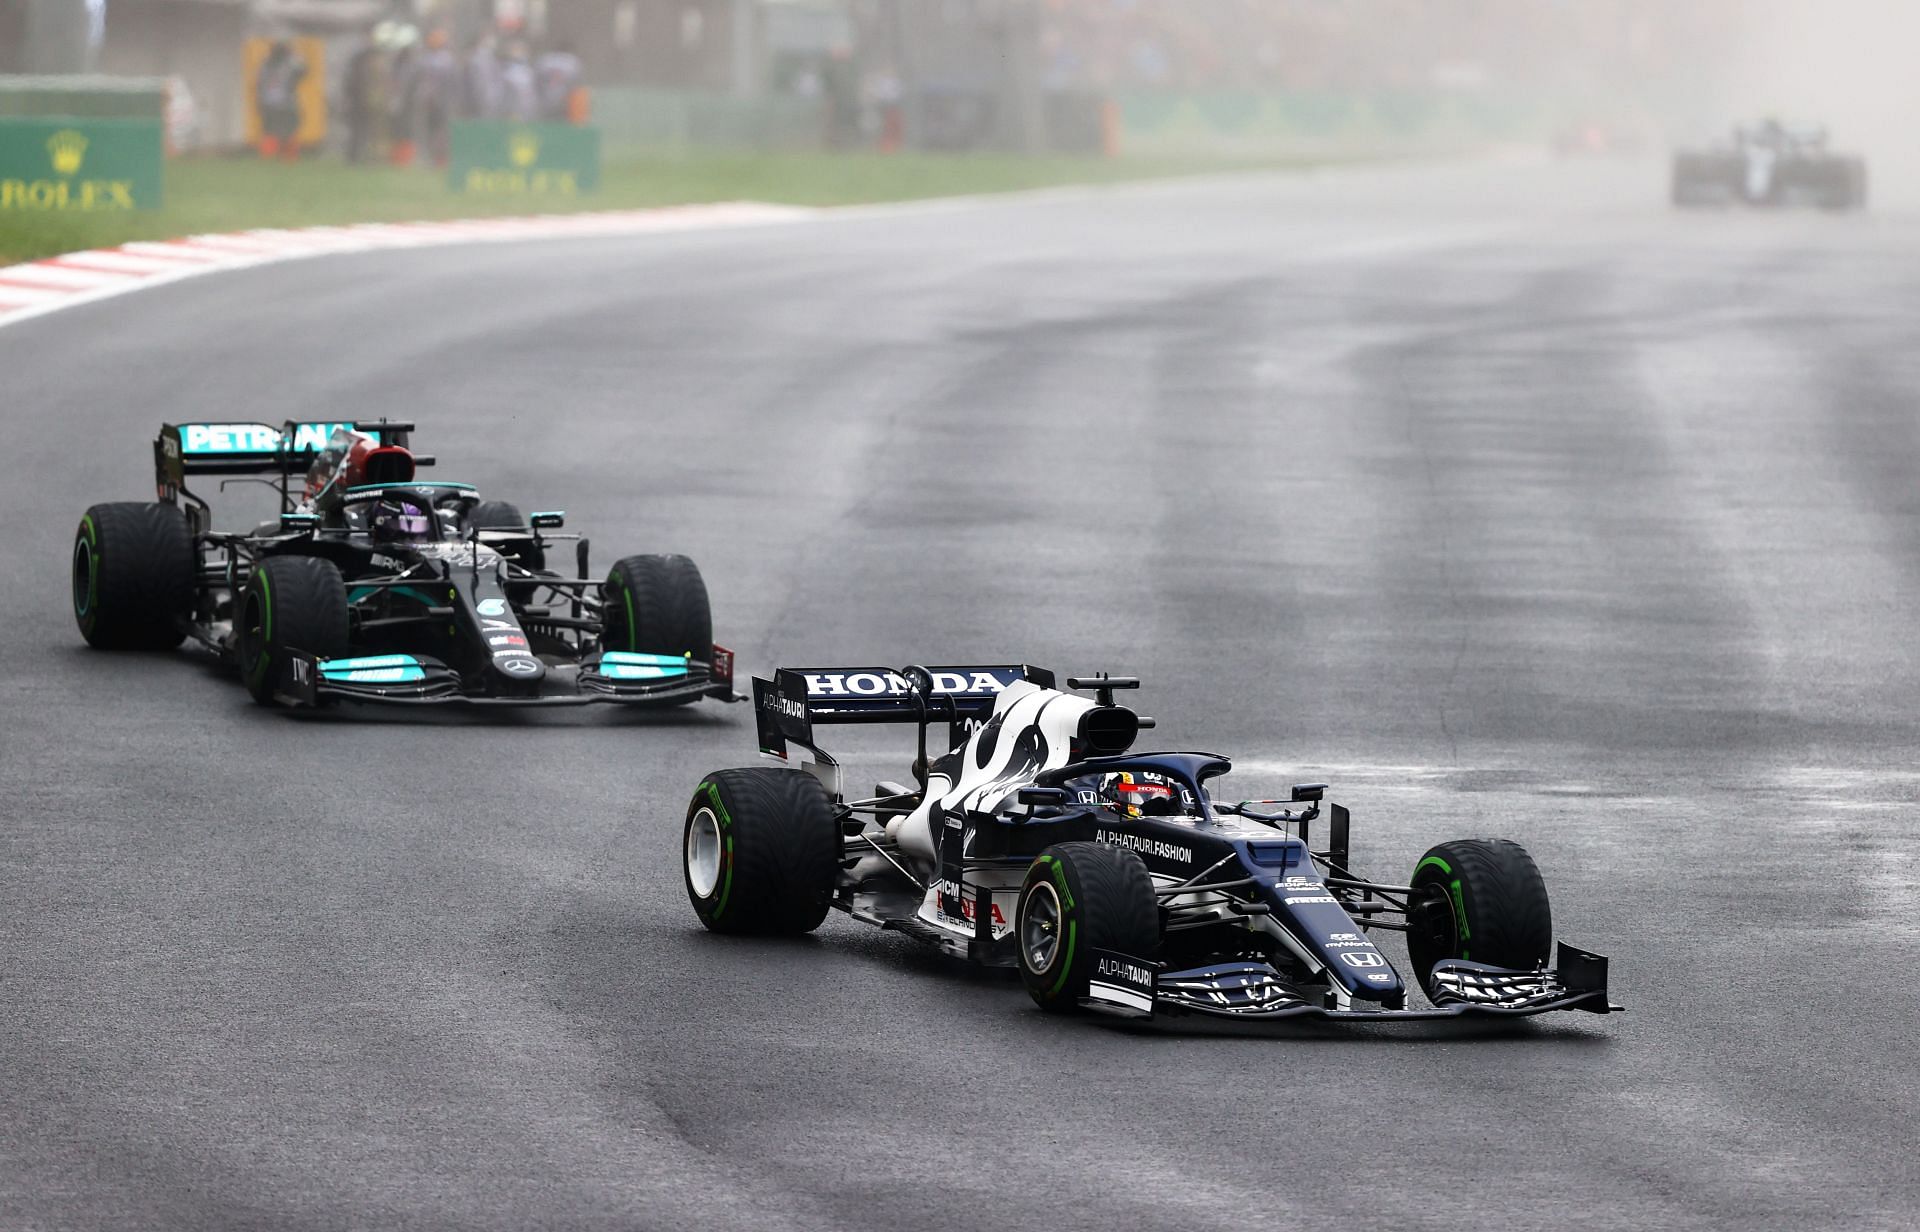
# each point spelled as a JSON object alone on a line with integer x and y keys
{"x": 1366, "y": 958}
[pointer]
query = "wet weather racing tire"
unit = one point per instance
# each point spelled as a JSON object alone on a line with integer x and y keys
{"x": 133, "y": 575}
{"x": 1478, "y": 899}
{"x": 1078, "y": 898}
{"x": 658, "y": 605}
{"x": 1849, "y": 189}
{"x": 288, "y": 603}
{"x": 502, "y": 515}
{"x": 760, "y": 851}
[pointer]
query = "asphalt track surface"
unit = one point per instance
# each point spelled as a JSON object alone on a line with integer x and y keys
{"x": 1501, "y": 497}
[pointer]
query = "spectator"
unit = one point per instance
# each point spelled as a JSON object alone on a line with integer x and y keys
{"x": 364, "y": 86}
{"x": 841, "y": 81}
{"x": 484, "y": 90}
{"x": 403, "y": 96}
{"x": 276, "y": 95}
{"x": 436, "y": 86}
{"x": 520, "y": 91}
{"x": 558, "y": 75}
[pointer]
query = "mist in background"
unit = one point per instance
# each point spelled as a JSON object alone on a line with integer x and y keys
{"x": 1848, "y": 64}
{"x": 1149, "y": 77}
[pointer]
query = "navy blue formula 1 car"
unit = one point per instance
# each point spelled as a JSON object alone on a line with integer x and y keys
{"x": 1113, "y": 880}
{"x": 374, "y": 585}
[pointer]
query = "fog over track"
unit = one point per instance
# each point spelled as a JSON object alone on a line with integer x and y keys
{"x": 1500, "y": 496}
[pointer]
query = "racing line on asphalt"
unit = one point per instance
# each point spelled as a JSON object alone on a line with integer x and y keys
{"x": 1502, "y": 498}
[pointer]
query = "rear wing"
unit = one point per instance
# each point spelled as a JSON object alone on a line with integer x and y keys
{"x": 241, "y": 448}
{"x": 255, "y": 448}
{"x": 786, "y": 707}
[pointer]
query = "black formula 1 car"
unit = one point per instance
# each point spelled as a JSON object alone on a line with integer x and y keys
{"x": 1770, "y": 165}
{"x": 376, "y": 586}
{"x": 1113, "y": 880}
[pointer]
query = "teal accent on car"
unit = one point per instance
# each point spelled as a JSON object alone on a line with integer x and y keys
{"x": 375, "y": 669}
{"x": 635, "y": 659}
{"x": 627, "y": 665}
{"x": 618, "y": 671}
{"x": 200, "y": 440}
{"x": 360, "y": 593}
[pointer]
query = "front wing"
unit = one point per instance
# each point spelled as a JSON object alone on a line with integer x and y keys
{"x": 1254, "y": 991}
{"x": 417, "y": 680}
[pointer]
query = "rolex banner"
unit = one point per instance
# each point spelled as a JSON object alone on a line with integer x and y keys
{"x": 81, "y": 166}
{"x": 496, "y": 158}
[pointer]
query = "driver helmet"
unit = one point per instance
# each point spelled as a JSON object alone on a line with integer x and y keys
{"x": 399, "y": 521}
{"x": 1138, "y": 795}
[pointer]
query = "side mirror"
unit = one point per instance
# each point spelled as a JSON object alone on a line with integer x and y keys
{"x": 551, "y": 520}
{"x": 296, "y": 523}
{"x": 1308, "y": 792}
{"x": 1043, "y": 797}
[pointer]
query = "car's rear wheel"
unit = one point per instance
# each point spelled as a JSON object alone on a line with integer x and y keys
{"x": 504, "y": 515}
{"x": 1478, "y": 899}
{"x": 1682, "y": 191}
{"x": 1078, "y": 898}
{"x": 133, "y": 576}
{"x": 657, "y": 605}
{"x": 289, "y": 603}
{"x": 1849, "y": 190}
{"x": 760, "y": 851}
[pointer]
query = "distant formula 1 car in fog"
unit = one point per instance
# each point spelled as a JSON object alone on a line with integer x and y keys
{"x": 1598, "y": 137}
{"x": 1770, "y": 165}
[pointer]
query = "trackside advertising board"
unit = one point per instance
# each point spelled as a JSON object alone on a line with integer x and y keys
{"x": 495, "y": 158}
{"x": 56, "y": 164}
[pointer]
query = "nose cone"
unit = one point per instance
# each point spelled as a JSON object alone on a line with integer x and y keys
{"x": 518, "y": 675}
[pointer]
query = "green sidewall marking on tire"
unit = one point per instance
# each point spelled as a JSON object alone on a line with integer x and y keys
{"x": 721, "y": 815}
{"x": 626, "y": 597}
{"x": 1060, "y": 879}
{"x": 1066, "y": 958}
{"x": 1458, "y": 899}
{"x": 259, "y": 671}
{"x": 1072, "y": 932}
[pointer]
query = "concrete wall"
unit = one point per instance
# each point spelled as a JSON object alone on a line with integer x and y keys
{"x": 13, "y": 36}
{"x": 200, "y": 42}
{"x": 661, "y": 44}
{"x": 44, "y": 36}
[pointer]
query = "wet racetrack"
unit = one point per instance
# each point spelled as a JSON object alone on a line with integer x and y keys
{"x": 1500, "y": 497}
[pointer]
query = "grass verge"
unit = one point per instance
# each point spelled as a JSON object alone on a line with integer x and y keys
{"x": 236, "y": 194}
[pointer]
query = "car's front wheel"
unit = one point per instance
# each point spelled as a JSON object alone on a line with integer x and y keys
{"x": 1481, "y": 899}
{"x": 657, "y": 605}
{"x": 1078, "y": 898}
{"x": 289, "y": 603}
